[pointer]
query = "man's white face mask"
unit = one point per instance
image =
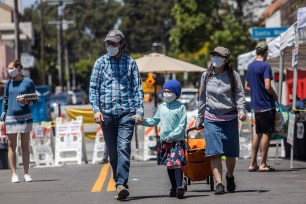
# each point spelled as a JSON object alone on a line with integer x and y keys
{"x": 112, "y": 51}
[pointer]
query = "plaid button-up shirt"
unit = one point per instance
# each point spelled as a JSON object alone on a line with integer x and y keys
{"x": 115, "y": 86}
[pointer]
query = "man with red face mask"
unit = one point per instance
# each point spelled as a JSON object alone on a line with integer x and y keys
{"x": 116, "y": 97}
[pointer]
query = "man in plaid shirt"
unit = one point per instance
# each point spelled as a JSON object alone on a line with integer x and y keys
{"x": 116, "y": 97}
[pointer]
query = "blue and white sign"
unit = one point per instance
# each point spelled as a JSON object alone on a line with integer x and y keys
{"x": 262, "y": 33}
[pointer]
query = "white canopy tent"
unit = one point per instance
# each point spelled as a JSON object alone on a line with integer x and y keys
{"x": 247, "y": 58}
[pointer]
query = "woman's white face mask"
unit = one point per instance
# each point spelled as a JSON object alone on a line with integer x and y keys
{"x": 13, "y": 72}
{"x": 112, "y": 51}
{"x": 169, "y": 97}
{"x": 217, "y": 61}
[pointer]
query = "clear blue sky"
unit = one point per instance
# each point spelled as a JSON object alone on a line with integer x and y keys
{"x": 27, "y": 3}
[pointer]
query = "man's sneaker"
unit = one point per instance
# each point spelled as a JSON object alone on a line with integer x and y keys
{"x": 180, "y": 192}
{"x": 122, "y": 192}
{"x": 27, "y": 178}
{"x": 219, "y": 189}
{"x": 231, "y": 186}
{"x": 172, "y": 192}
{"x": 15, "y": 178}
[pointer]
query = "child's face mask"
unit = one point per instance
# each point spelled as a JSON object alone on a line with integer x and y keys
{"x": 169, "y": 97}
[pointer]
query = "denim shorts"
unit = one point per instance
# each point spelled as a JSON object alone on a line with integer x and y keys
{"x": 222, "y": 137}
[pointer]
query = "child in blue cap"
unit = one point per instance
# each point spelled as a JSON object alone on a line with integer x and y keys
{"x": 171, "y": 149}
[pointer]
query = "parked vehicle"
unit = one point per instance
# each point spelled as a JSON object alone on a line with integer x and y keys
{"x": 188, "y": 95}
{"x": 78, "y": 96}
{"x": 60, "y": 99}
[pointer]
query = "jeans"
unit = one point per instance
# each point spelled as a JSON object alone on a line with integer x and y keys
{"x": 118, "y": 133}
{"x": 105, "y": 154}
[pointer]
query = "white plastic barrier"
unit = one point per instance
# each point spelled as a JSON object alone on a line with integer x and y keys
{"x": 69, "y": 141}
{"x": 99, "y": 147}
{"x": 41, "y": 137}
{"x": 150, "y": 143}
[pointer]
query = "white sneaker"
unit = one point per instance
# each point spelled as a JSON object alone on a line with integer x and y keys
{"x": 27, "y": 178}
{"x": 15, "y": 178}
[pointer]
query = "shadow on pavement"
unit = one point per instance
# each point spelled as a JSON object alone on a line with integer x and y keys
{"x": 251, "y": 191}
{"x": 145, "y": 197}
{"x": 159, "y": 196}
{"x": 46, "y": 180}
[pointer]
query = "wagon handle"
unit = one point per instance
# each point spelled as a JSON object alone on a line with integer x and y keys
{"x": 191, "y": 129}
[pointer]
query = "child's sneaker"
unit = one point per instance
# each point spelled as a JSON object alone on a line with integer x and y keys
{"x": 15, "y": 178}
{"x": 172, "y": 192}
{"x": 180, "y": 192}
{"x": 27, "y": 178}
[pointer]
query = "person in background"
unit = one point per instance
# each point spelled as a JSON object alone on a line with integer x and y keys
{"x": 105, "y": 156}
{"x": 298, "y": 103}
{"x": 171, "y": 150}
{"x": 221, "y": 104}
{"x": 17, "y": 117}
{"x": 117, "y": 98}
{"x": 263, "y": 97}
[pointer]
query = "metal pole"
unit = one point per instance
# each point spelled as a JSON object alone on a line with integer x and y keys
{"x": 155, "y": 108}
{"x": 73, "y": 76}
{"x": 67, "y": 69}
{"x": 295, "y": 68}
{"x": 295, "y": 72}
{"x": 281, "y": 78}
{"x": 42, "y": 44}
{"x": 16, "y": 23}
{"x": 59, "y": 43}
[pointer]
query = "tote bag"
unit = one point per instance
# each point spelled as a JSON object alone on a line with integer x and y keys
{"x": 280, "y": 129}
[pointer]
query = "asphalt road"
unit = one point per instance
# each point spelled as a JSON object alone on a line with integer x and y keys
{"x": 87, "y": 183}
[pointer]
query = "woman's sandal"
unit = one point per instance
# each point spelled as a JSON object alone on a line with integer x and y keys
{"x": 255, "y": 168}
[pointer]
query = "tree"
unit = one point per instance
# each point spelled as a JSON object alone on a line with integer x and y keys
{"x": 93, "y": 19}
{"x": 33, "y": 15}
{"x": 145, "y": 22}
{"x": 202, "y": 25}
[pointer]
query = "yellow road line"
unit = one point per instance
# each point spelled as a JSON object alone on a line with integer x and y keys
{"x": 100, "y": 181}
{"x": 111, "y": 184}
